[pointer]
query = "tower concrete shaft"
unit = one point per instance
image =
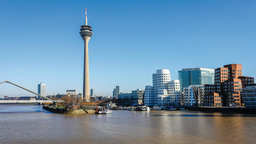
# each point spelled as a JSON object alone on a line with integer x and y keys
{"x": 86, "y": 84}
{"x": 86, "y": 33}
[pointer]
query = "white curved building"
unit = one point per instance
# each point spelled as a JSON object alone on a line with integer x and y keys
{"x": 173, "y": 86}
{"x": 164, "y": 91}
{"x": 160, "y": 81}
{"x": 174, "y": 92}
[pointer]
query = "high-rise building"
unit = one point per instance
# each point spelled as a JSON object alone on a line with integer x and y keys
{"x": 86, "y": 33}
{"x": 92, "y": 92}
{"x": 116, "y": 91}
{"x": 42, "y": 90}
{"x": 227, "y": 87}
{"x": 195, "y": 76}
{"x": 164, "y": 91}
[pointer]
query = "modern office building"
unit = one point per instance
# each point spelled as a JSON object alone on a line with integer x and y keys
{"x": 195, "y": 76}
{"x": 86, "y": 33}
{"x": 131, "y": 98}
{"x": 91, "y": 92}
{"x": 249, "y": 95}
{"x": 41, "y": 90}
{"x": 228, "y": 83}
{"x": 116, "y": 91}
{"x": 164, "y": 91}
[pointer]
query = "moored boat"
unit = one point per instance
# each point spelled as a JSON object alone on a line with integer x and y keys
{"x": 156, "y": 108}
{"x": 107, "y": 111}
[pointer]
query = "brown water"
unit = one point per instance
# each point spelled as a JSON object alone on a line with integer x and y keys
{"x": 31, "y": 124}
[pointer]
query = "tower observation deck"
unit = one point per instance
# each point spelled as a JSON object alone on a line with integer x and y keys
{"x": 86, "y": 33}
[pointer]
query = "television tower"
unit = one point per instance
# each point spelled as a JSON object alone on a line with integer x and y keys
{"x": 86, "y": 33}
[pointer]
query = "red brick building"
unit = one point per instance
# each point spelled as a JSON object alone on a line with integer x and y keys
{"x": 228, "y": 82}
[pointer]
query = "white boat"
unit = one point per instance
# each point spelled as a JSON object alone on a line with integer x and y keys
{"x": 145, "y": 108}
{"x": 98, "y": 110}
{"x": 107, "y": 111}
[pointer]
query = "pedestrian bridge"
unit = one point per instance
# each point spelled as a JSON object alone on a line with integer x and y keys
{"x": 47, "y": 100}
{"x": 25, "y": 101}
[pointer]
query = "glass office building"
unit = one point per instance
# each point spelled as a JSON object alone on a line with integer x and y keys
{"x": 195, "y": 76}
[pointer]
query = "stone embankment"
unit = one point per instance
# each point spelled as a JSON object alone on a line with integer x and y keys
{"x": 80, "y": 111}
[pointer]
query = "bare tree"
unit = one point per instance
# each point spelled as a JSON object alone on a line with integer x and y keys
{"x": 69, "y": 102}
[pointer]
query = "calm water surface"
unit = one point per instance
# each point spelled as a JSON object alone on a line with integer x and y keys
{"x": 31, "y": 124}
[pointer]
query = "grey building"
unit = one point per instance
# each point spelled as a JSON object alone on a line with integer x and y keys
{"x": 116, "y": 91}
{"x": 41, "y": 90}
{"x": 131, "y": 98}
{"x": 91, "y": 92}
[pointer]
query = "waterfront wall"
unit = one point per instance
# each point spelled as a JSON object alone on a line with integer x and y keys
{"x": 225, "y": 110}
{"x": 80, "y": 111}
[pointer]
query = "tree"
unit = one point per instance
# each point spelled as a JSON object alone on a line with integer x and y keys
{"x": 70, "y": 102}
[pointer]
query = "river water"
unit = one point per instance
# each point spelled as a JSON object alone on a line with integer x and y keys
{"x": 32, "y": 124}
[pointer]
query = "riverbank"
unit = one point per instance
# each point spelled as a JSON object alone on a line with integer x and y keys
{"x": 224, "y": 110}
{"x": 71, "y": 111}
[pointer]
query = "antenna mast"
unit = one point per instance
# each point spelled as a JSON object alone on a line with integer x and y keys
{"x": 85, "y": 16}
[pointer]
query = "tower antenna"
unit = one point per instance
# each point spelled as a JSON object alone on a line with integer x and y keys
{"x": 85, "y": 16}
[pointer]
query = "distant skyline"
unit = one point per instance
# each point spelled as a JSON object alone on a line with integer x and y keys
{"x": 40, "y": 41}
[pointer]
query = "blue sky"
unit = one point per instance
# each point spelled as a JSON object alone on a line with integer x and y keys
{"x": 40, "y": 41}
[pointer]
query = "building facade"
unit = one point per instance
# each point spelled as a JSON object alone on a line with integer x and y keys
{"x": 91, "y": 92}
{"x": 249, "y": 95}
{"x": 195, "y": 76}
{"x": 41, "y": 90}
{"x": 211, "y": 97}
{"x": 71, "y": 92}
{"x": 116, "y": 92}
{"x": 228, "y": 83}
{"x": 193, "y": 95}
{"x": 131, "y": 98}
{"x": 149, "y": 96}
{"x": 164, "y": 90}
